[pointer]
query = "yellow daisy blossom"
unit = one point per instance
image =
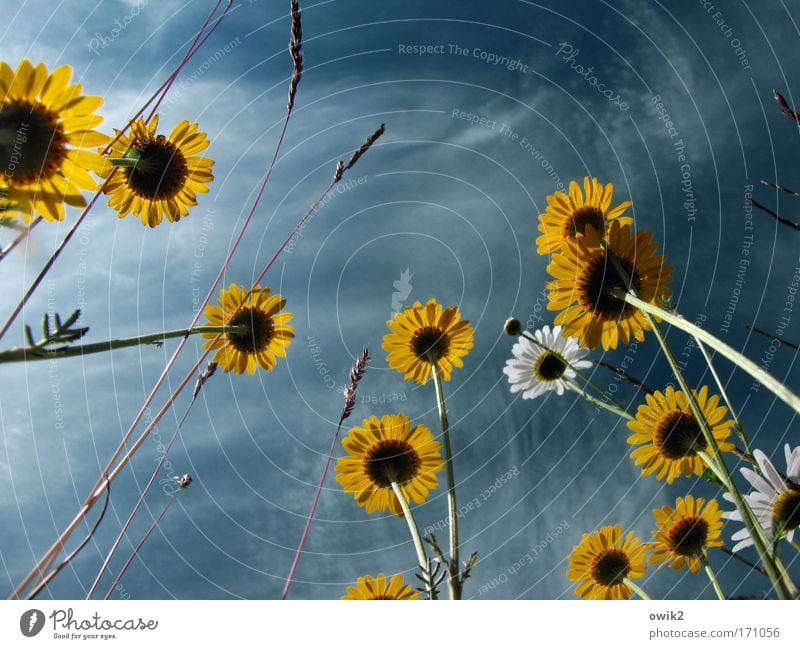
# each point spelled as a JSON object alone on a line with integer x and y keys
{"x": 685, "y": 531}
{"x": 567, "y": 216}
{"x": 167, "y": 176}
{"x": 269, "y": 337}
{"x": 669, "y": 437}
{"x": 421, "y": 332}
{"x": 587, "y": 285}
{"x": 45, "y": 126}
{"x": 387, "y": 450}
{"x": 603, "y": 560}
{"x": 369, "y": 587}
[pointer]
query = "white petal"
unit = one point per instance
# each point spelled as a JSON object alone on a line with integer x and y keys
{"x": 757, "y": 481}
{"x": 769, "y": 471}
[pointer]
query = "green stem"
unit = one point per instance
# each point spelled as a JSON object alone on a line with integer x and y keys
{"x": 636, "y": 589}
{"x": 759, "y": 374}
{"x": 597, "y": 402}
{"x": 454, "y": 580}
{"x": 415, "y": 537}
{"x": 756, "y": 531}
{"x": 739, "y": 428}
{"x": 713, "y": 579}
{"x": 793, "y": 593}
{"x": 18, "y": 354}
{"x": 125, "y": 162}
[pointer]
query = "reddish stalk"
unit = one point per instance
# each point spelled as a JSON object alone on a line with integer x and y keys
{"x": 200, "y": 382}
{"x": 20, "y": 238}
{"x": 349, "y": 404}
{"x": 138, "y": 547}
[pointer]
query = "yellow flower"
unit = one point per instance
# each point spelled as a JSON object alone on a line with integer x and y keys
{"x": 385, "y": 451}
{"x": 603, "y": 560}
{"x": 587, "y": 285}
{"x": 45, "y": 125}
{"x": 269, "y": 337}
{"x": 376, "y": 588}
{"x": 567, "y": 216}
{"x": 686, "y": 531}
{"x": 671, "y": 437}
{"x": 168, "y": 174}
{"x": 421, "y": 332}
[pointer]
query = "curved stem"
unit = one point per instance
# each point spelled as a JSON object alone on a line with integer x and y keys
{"x": 713, "y": 579}
{"x": 422, "y": 558}
{"x": 452, "y": 507}
{"x": 18, "y": 354}
{"x": 759, "y": 374}
{"x": 636, "y": 589}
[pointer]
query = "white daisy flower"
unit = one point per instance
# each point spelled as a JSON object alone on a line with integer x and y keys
{"x": 535, "y": 369}
{"x": 775, "y": 502}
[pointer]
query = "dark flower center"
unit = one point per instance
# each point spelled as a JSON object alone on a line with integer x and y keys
{"x": 611, "y": 567}
{"x": 161, "y": 171}
{"x": 429, "y": 340}
{"x": 261, "y": 330}
{"x": 32, "y": 142}
{"x": 391, "y": 461}
{"x": 678, "y": 435}
{"x": 550, "y": 367}
{"x": 786, "y": 510}
{"x": 599, "y": 283}
{"x": 688, "y": 536}
{"x": 583, "y": 216}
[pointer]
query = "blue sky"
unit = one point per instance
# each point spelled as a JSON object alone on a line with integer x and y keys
{"x": 481, "y": 127}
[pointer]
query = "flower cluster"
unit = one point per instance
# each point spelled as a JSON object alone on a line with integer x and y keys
{"x": 49, "y": 148}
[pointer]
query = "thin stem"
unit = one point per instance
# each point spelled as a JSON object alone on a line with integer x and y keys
{"x": 141, "y": 543}
{"x": 773, "y": 338}
{"x": 763, "y": 377}
{"x": 780, "y": 187}
{"x": 42, "y": 584}
{"x": 746, "y": 562}
{"x": 775, "y": 215}
{"x": 422, "y": 558}
{"x": 20, "y": 237}
{"x": 452, "y": 506}
{"x": 636, "y": 589}
{"x": 18, "y": 354}
{"x": 628, "y": 377}
{"x": 139, "y": 502}
{"x": 621, "y": 412}
{"x": 713, "y": 578}
{"x": 739, "y": 428}
{"x": 314, "y": 503}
